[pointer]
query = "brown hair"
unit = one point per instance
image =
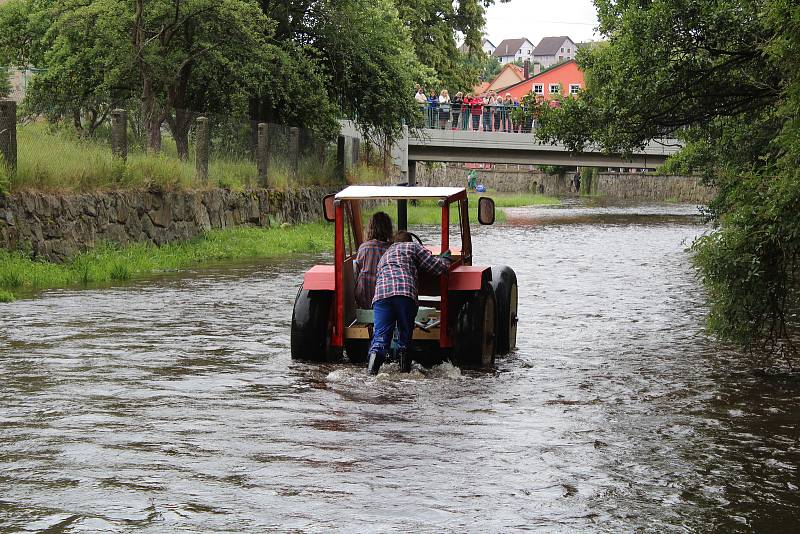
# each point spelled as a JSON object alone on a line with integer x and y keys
{"x": 402, "y": 237}
{"x": 380, "y": 227}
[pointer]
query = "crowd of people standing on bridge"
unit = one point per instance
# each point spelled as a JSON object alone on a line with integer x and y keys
{"x": 488, "y": 112}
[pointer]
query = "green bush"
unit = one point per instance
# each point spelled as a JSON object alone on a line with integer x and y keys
{"x": 555, "y": 170}
{"x": 749, "y": 263}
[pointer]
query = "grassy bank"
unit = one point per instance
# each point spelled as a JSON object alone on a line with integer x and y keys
{"x": 54, "y": 158}
{"x": 109, "y": 264}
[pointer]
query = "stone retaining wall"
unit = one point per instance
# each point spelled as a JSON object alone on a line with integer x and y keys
{"x": 56, "y": 227}
{"x": 525, "y": 178}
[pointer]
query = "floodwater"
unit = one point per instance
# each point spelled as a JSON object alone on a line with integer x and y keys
{"x": 171, "y": 404}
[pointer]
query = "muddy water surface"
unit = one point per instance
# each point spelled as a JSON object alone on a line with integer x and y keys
{"x": 172, "y": 404}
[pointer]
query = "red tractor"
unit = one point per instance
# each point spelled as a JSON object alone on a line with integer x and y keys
{"x": 467, "y": 315}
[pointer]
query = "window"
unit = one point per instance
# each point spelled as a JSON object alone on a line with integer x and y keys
{"x": 520, "y": 51}
{"x": 529, "y": 52}
{"x": 574, "y": 88}
{"x": 568, "y": 50}
{"x": 560, "y": 59}
{"x": 538, "y": 89}
{"x": 554, "y": 89}
{"x": 562, "y": 49}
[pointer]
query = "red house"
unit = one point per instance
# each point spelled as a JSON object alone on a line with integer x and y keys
{"x": 565, "y": 79}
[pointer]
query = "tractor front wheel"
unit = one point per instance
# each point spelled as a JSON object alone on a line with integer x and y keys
{"x": 474, "y": 344}
{"x": 312, "y": 326}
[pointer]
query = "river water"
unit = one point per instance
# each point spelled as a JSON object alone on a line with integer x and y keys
{"x": 172, "y": 404}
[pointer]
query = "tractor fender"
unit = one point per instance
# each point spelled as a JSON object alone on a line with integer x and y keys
{"x": 468, "y": 278}
{"x": 320, "y": 278}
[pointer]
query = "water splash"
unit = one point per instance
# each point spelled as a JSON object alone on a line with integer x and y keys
{"x": 390, "y": 372}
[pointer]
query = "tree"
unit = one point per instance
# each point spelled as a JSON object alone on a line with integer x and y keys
{"x": 487, "y": 66}
{"x": 174, "y": 56}
{"x": 434, "y": 25}
{"x": 353, "y": 56}
{"x": 87, "y": 71}
{"x": 5, "y": 84}
{"x": 371, "y": 64}
{"x": 181, "y": 45}
{"x": 304, "y": 62}
{"x": 724, "y": 77}
{"x": 23, "y": 23}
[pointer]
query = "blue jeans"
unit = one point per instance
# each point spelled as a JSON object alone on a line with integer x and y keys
{"x": 388, "y": 311}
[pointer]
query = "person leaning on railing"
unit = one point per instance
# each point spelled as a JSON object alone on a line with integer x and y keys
{"x": 508, "y": 106}
{"x": 498, "y": 113}
{"x": 456, "y": 108}
{"x": 433, "y": 109}
{"x": 488, "y": 102}
{"x": 476, "y": 108}
{"x": 421, "y": 100}
{"x": 444, "y": 109}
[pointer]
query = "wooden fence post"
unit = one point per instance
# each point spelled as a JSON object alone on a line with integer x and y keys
{"x": 119, "y": 134}
{"x": 262, "y": 155}
{"x": 8, "y": 133}
{"x": 202, "y": 148}
{"x": 294, "y": 149}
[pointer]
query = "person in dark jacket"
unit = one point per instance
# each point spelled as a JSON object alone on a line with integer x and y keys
{"x": 433, "y": 109}
{"x": 458, "y": 100}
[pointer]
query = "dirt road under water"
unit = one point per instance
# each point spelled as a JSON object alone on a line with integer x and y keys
{"x": 172, "y": 404}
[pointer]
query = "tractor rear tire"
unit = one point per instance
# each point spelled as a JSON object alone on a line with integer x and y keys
{"x": 312, "y": 326}
{"x": 506, "y": 292}
{"x": 476, "y": 326}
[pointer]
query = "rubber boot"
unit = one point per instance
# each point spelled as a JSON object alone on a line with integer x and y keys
{"x": 375, "y": 362}
{"x": 404, "y": 359}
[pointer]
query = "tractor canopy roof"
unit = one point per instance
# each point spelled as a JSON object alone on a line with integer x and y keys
{"x": 393, "y": 192}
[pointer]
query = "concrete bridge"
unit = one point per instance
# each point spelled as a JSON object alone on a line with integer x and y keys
{"x": 465, "y": 146}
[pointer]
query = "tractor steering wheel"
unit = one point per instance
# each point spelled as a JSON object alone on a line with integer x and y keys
{"x": 415, "y": 236}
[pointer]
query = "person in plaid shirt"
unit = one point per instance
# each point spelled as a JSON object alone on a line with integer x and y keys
{"x": 379, "y": 237}
{"x": 395, "y": 299}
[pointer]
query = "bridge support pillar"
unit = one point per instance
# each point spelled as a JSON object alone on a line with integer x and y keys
{"x": 412, "y": 173}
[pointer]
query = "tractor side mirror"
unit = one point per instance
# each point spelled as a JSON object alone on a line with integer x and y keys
{"x": 328, "y": 208}
{"x": 485, "y": 211}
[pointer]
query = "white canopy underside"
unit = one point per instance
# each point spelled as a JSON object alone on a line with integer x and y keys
{"x": 355, "y": 192}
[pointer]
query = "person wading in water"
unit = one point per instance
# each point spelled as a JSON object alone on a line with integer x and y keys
{"x": 395, "y": 299}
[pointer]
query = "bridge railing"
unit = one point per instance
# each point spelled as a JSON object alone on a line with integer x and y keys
{"x": 484, "y": 118}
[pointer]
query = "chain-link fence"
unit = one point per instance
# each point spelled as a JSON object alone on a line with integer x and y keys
{"x": 188, "y": 150}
